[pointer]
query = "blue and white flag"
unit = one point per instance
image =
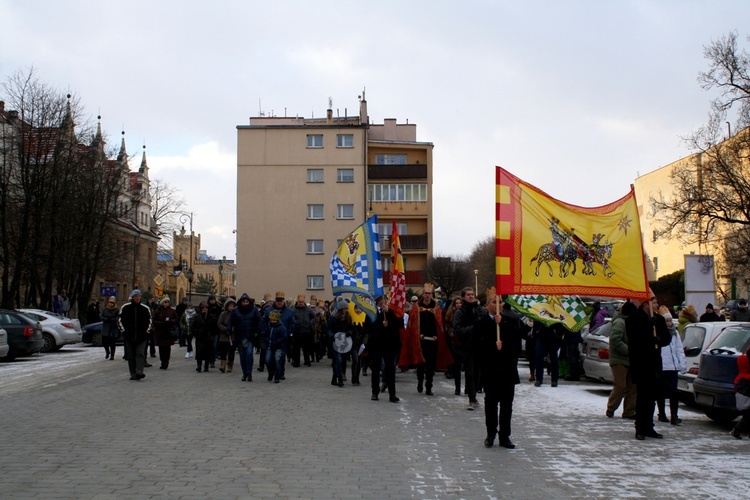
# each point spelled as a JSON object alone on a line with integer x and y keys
{"x": 356, "y": 268}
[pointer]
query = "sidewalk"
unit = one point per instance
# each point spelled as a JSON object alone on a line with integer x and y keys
{"x": 183, "y": 434}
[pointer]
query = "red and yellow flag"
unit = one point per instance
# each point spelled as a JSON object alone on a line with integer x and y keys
{"x": 398, "y": 279}
{"x": 548, "y": 247}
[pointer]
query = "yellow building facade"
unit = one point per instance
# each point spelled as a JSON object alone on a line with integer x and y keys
{"x": 303, "y": 184}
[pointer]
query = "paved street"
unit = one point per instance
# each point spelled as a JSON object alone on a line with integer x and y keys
{"x": 79, "y": 428}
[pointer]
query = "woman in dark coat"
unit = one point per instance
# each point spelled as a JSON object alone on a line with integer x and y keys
{"x": 110, "y": 331}
{"x": 204, "y": 329}
{"x": 165, "y": 323}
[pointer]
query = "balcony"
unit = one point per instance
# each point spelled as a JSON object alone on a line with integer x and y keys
{"x": 415, "y": 171}
{"x": 408, "y": 242}
{"x": 413, "y": 278}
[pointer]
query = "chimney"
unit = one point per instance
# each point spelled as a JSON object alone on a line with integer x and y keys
{"x": 363, "y": 109}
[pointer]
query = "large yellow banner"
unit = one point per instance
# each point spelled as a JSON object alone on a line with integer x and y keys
{"x": 546, "y": 246}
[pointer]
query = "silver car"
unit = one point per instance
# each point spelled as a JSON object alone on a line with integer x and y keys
{"x": 4, "y": 347}
{"x": 57, "y": 330}
{"x": 596, "y": 354}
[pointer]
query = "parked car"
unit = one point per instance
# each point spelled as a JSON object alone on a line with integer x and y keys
{"x": 24, "y": 334}
{"x": 57, "y": 330}
{"x": 4, "y": 347}
{"x": 596, "y": 354}
{"x": 92, "y": 334}
{"x": 695, "y": 338}
{"x": 714, "y": 386}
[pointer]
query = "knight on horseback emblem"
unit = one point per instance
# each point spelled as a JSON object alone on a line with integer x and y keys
{"x": 567, "y": 247}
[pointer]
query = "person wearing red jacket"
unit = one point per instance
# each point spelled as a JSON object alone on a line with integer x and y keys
{"x": 742, "y": 389}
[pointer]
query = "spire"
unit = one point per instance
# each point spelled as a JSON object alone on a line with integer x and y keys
{"x": 122, "y": 155}
{"x": 98, "y": 136}
{"x": 144, "y": 168}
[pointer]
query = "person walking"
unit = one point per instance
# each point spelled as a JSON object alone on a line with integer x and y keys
{"x": 463, "y": 328}
{"x": 547, "y": 345}
{"x": 425, "y": 323}
{"x": 619, "y": 362}
{"x": 742, "y": 313}
{"x": 383, "y": 339}
{"x": 647, "y": 334}
{"x": 453, "y": 343}
{"x": 166, "y": 324}
{"x": 276, "y": 353}
{"x": 203, "y": 329}
{"x": 672, "y": 362}
{"x": 499, "y": 365}
{"x": 243, "y": 329}
{"x": 110, "y": 330}
{"x": 225, "y": 344}
{"x": 305, "y": 320}
{"x": 134, "y": 322}
{"x": 186, "y": 325}
{"x": 180, "y": 309}
{"x": 340, "y": 321}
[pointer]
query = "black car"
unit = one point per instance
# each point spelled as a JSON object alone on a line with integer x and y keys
{"x": 24, "y": 334}
{"x": 92, "y": 334}
{"x": 714, "y": 386}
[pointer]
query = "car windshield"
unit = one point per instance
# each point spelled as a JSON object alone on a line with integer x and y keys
{"x": 732, "y": 339}
{"x": 694, "y": 336}
{"x": 34, "y": 316}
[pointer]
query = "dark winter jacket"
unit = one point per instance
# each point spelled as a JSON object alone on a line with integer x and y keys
{"x": 644, "y": 349}
{"x": 244, "y": 322}
{"x": 277, "y": 335}
{"x": 498, "y": 367}
{"x": 109, "y": 322}
{"x": 135, "y": 322}
{"x": 165, "y": 320}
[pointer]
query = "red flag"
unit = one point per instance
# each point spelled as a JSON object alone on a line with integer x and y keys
{"x": 398, "y": 280}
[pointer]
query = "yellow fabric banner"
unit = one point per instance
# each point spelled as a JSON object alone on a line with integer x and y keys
{"x": 546, "y": 246}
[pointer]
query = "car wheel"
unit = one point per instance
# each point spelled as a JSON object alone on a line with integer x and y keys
{"x": 721, "y": 416}
{"x": 49, "y": 343}
{"x": 96, "y": 339}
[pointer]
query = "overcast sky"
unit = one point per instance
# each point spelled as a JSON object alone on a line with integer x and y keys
{"x": 575, "y": 97}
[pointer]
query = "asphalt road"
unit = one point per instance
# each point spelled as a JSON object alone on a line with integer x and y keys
{"x": 75, "y": 426}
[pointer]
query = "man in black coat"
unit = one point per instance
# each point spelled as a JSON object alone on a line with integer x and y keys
{"x": 463, "y": 327}
{"x": 499, "y": 364}
{"x": 134, "y": 322}
{"x": 383, "y": 342}
{"x": 647, "y": 333}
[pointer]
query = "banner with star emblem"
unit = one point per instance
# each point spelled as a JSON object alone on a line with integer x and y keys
{"x": 544, "y": 246}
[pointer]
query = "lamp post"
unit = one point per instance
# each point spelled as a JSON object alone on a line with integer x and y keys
{"x": 189, "y": 273}
{"x": 476, "y": 281}
{"x": 221, "y": 275}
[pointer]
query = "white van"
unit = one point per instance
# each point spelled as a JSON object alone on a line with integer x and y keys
{"x": 695, "y": 339}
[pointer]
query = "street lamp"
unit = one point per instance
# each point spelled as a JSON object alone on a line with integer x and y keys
{"x": 221, "y": 275}
{"x": 189, "y": 273}
{"x": 476, "y": 281}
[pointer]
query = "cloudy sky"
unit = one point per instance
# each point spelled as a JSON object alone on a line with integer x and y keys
{"x": 575, "y": 97}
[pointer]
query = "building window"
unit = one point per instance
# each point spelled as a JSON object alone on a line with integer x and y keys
{"x": 314, "y": 246}
{"x": 385, "y": 230}
{"x": 315, "y": 211}
{"x": 345, "y": 211}
{"x": 314, "y": 141}
{"x": 314, "y": 282}
{"x": 314, "y": 175}
{"x": 390, "y": 159}
{"x": 345, "y": 175}
{"x": 345, "y": 141}
{"x": 397, "y": 192}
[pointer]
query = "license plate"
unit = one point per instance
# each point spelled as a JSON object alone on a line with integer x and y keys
{"x": 683, "y": 385}
{"x": 704, "y": 399}
{"x": 594, "y": 352}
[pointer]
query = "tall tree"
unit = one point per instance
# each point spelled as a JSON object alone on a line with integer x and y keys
{"x": 709, "y": 203}
{"x": 482, "y": 259}
{"x": 450, "y": 274}
{"x": 166, "y": 207}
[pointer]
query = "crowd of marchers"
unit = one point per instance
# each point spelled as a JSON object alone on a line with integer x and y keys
{"x": 462, "y": 338}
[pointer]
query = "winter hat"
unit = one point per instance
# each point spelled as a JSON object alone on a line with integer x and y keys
{"x": 228, "y": 302}
{"x": 710, "y": 306}
{"x": 189, "y": 305}
{"x": 342, "y": 304}
{"x": 165, "y": 299}
{"x": 134, "y": 293}
{"x": 274, "y": 316}
{"x": 667, "y": 316}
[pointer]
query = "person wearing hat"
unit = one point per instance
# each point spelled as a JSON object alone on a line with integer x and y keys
{"x": 225, "y": 346}
{"x": 242, "y": 328}
{"x": 340, "y": 321}
{"x": 186, "y": 325}
{"x": 110, "y": 331}
{"x": 742, "y": 313}
{"x": 710, "y": 315}
{"x": 672, "y": 362}
{"x": 215, "y": 310}
{"x": 425, "y": 322}
{"x": 383, "y": 344}
{"x": 276, "y": 352}
{"x": 286, "y": 317}
{"x": 204, "y": 329}
{"x": 134, "y": 323}
{"x": 165, "y": 326}
{"x": 304, "y": 318}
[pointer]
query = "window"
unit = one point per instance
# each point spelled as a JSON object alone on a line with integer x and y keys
{"x": 345, "y": 175}
{"x": 397, "y": 192}
{"x": 314, "y": 246}
{"x": 314, "y": 141}
{"x": 314, "y": 175}
{"x": 385, "y": 230}
{"x": 345, "y": 141}
{"x": 390, "y": 159}
{"x": 315, "y": 211}
{"x": 314, "y": 282}
{"x": 345, "y": 211}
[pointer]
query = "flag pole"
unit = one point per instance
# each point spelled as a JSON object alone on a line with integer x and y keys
{"x": 497, "y": 311}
